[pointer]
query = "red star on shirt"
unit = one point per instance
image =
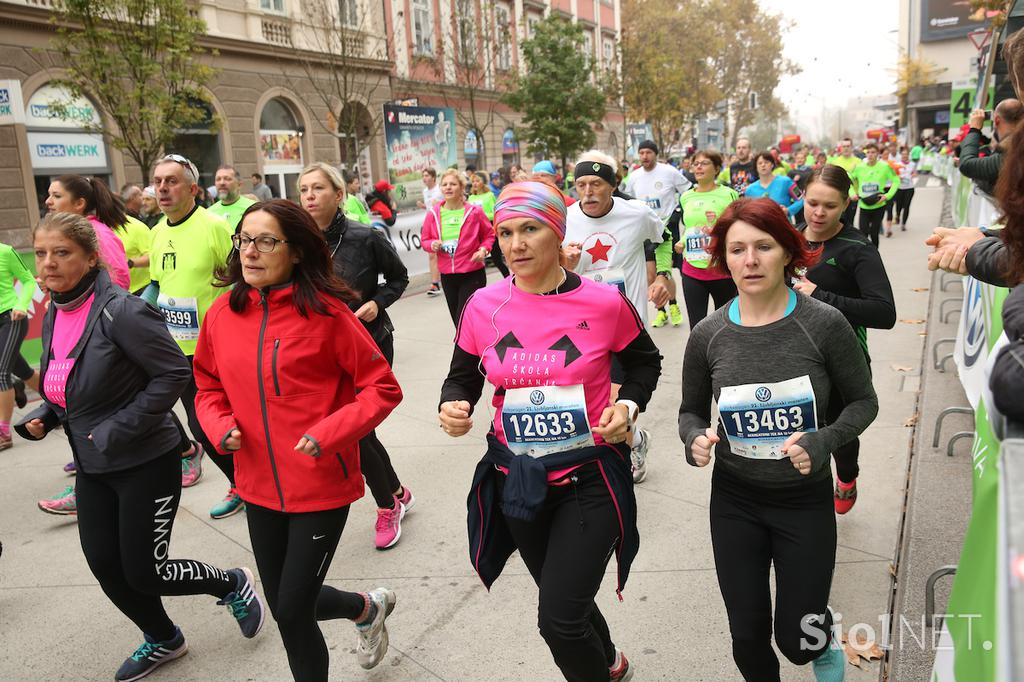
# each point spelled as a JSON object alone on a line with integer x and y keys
{"x": 599, "y": 251}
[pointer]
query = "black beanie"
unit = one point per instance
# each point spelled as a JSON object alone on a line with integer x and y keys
{"x": 648, "y": 144}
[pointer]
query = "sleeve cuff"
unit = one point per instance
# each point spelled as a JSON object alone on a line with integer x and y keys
{"x": 315, "y": 442}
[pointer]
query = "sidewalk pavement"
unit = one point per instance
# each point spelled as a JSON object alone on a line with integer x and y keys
{"x": 55, "y": 623}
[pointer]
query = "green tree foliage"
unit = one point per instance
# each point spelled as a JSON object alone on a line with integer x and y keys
{"x": 560, "y": 104}
{"x": 141, "y": 62}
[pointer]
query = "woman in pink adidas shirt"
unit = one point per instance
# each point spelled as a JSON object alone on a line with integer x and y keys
{"x": 557, "y": 466}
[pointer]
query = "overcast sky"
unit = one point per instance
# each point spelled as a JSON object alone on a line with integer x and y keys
{"x": 846, "y": 48}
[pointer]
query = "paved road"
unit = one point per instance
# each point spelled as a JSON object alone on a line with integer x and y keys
{"x": 55, "y": 623}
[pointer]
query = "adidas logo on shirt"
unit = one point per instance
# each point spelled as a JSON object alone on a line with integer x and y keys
{"x": 831, "y": 261}
{"x": 583, "y": 326}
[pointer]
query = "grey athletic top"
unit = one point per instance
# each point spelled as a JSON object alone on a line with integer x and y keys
{"x": 776, "y": 380}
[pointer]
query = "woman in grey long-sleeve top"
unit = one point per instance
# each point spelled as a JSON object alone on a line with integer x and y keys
{"x": 770, "y": 359}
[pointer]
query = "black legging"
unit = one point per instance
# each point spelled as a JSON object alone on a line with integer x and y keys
{"x": 846, "y": 455}
{"x": 293, "y": 553}
{"x": 12, "y": 333}
{"x": 871, "y": 222}
{"x": 696, "y": 292}
{"x": 902, "y": 200}
{"x": 752, "y": 529}
{"x": 458, "y": 287}
{"x": 226, "y": 462}
{"x": 124, "y": 524}
{"x": 566, "y": 549}
{"x": 374, "y": 461}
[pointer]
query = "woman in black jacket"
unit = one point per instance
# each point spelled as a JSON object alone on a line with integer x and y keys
{"x": 110, "y": 375}
{"x": 361, "y": 255}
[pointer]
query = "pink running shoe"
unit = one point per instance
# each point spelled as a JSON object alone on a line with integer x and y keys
{"x": 389, "y": 525}
{"x": 64, "y": 502}
{"x": 407, "y": 499}
{"x": 192, "y": 467}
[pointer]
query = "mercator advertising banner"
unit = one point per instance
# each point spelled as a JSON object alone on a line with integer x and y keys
{"x": 417, "y": 138}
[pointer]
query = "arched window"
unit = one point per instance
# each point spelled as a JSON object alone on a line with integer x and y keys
{"x": 281, "y": 134}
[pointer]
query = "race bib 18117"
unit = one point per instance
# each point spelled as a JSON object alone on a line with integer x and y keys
{"x": 758, "y": 418}
{"x": 543, "y": 420}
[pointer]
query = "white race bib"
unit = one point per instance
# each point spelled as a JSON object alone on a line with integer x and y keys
{"x": 543, "y": 420}
{"x": 758, "y": 418}
{"x": 615, "y": 277}
{"x": 695, "y": 245}
{"x": 181, "y": 315}
{"x": 448, "y": 246}
{"x": 869, "y": 188}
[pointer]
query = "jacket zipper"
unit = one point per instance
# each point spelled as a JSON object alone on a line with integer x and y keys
{"x": 273, "y": 367}
{"x": 263, "y": 395}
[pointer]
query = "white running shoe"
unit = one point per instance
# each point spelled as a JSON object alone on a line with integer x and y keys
{"x": 638, "y": 456}
{"x": 372, "y": 644}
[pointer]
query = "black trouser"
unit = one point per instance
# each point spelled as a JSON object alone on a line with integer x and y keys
{"x": 12, "y": 333}
{"x": 498, "y": 258}
{"x": 374, "y": 461}
{"x": 753, "y": 528}
{"x": 226, "y": 463}
{"x": 871, "y": 222}
{"x": 566, "y": 548}
{"x": 850, "y": 213}
{"x": 459, "y": 287}
{"x": 902, "y": 200}
{"x": 847, "y": 454}
{"x": 696, "y": 292}
{"x": 293, "y": 553}
{"x": 124, "y": 523}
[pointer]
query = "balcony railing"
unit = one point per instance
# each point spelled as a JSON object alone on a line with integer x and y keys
{"x": 277, "y": 32}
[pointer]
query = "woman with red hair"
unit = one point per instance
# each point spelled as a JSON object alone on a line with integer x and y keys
{"x": 770, "y": 359}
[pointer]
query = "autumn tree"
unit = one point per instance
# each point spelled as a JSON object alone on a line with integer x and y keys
{"x": 559, "y": 103}
{"x": 141, "y": 62}
{"x": 912, "y": 73}
{"x": 344, "y": 62}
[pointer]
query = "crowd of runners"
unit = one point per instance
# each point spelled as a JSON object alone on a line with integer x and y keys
{"x": 268, "y": 320}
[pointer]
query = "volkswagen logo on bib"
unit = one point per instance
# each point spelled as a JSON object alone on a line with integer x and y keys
{"x": 763, "y": 394}
{"x": 537, "y": 397}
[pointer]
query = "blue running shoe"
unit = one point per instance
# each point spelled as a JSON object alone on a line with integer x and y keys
{"x": 150, "y": 656}
{"x": 831, "y": 665}
{"x": 231, "y": 504}
{"x": 244, "y": 603}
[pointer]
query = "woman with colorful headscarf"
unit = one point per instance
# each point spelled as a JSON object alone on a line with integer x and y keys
{"x": 544, "y": 338}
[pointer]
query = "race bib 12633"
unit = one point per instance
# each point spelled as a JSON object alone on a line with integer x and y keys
{"x": 615, "y": 277}
{"x": 758, "y": 418}
{"x": 542, "y": 420}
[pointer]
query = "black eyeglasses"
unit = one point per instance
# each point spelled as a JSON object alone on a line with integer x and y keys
{"x": 264, "y": 243}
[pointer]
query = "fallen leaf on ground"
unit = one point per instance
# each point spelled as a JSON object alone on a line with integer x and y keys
{"x": 920, "y": 289}
{"x": 912, "y": 321}
{"x": 861, "y": 649}
{"x": 901, "y": 368}
{"x": 922, "y": 333}
{"x": 911, "y": 420}
{"x": 892, "y": 569}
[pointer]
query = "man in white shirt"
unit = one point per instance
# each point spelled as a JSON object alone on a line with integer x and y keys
{"x": 659, "y": 185}
{"x": 604, "y": 241}
{"x": 431, "y": 197}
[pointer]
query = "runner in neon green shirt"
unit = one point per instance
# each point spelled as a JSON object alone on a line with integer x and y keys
{"x": 13, "y": 268}
{"x": 481, "y": 196}
{"x": 231, "y": 204}
{"x": 136, "y": 238}
{"x": 869, "y": 181}
{"x": 13, "y": 327}
{"x": 355, "y": 207}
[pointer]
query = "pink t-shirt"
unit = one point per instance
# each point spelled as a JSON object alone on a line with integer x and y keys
{"x": 112, "y": 254}
{"x": 559, "y": 340}
{"x": 67, "y": 330}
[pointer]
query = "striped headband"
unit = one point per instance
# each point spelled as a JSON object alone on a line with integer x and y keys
{"x": 536, "y": 200}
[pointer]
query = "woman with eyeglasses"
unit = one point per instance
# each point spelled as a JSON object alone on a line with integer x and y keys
{"x": 701, "y": 207}
{"x": 284, "y": 337}
{"x": 361, "y": 257}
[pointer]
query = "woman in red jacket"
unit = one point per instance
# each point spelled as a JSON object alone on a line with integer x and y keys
{"x": 461, "y": 236}
{"x": 284, "y": 338}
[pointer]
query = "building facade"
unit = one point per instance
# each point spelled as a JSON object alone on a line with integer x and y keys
{"x": 275, "y": 95}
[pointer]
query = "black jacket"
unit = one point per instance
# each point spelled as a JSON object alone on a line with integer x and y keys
{"x": 986, "y": 260}
{"x": 984, "y": 171}
{"x": 127, "y": 376}
{"x": 1007, "y": 379}
{"x": 361, "y": 254}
